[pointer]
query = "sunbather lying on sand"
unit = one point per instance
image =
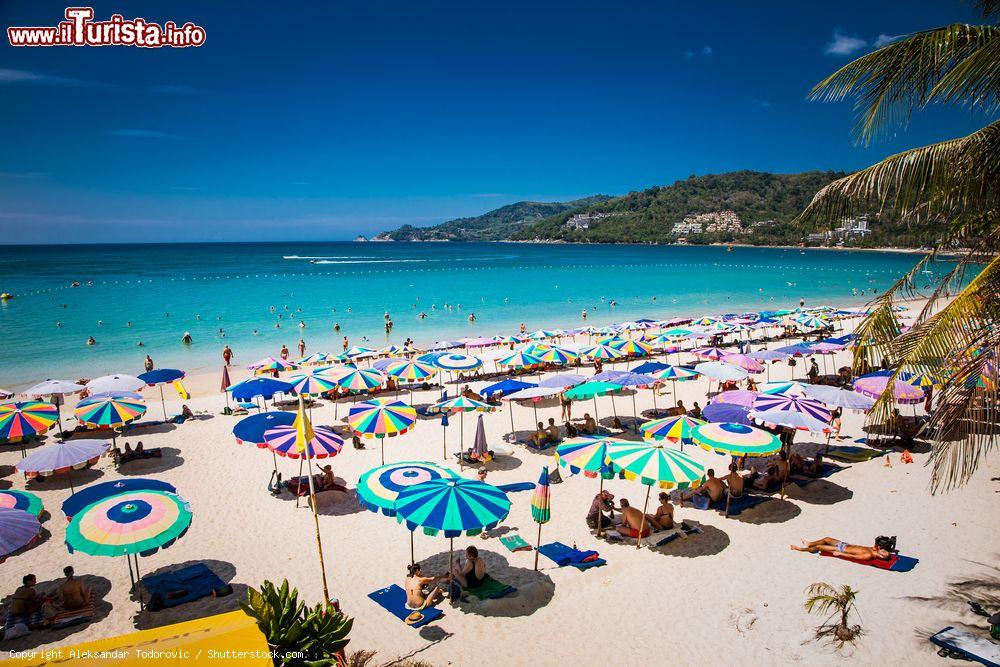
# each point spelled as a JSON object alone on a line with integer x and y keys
{"x": 841, "y": 549}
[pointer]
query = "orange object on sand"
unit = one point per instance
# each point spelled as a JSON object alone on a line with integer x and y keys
{"x": 906, "y": 457}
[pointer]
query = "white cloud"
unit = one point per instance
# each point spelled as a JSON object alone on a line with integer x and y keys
{"x": 763, "y": 104}
{"x": 844, "y": 45}
{"x": 885, "y": 40}
{"x": 706, "y": 51}
{"x": 15, "y": 76}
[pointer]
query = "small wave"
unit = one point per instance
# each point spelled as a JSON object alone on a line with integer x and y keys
{"x": 325, "y": 257}
{"x": 371, "y": 261}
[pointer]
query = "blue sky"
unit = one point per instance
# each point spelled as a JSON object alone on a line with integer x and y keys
{"x": 347, "y": 118}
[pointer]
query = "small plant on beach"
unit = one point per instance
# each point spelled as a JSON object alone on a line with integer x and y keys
{"x": 828, "y": 599}
{"x": 299, "y": 635}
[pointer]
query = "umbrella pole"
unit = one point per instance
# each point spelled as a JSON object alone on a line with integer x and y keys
{"x": 444, "y": 442}
{"x": 600, "y": 508}
{"x": 412, "y": 559}
{"x": 131, "y": 576}
{"x": 538, "y": 544}
{"x": 319, "y": 541}
{"x": 635, "y": 414}
{"x": 656, "y": 412}
{"x": 138, "y": 583}
{"x": 534, "y": 406}
{"x": 642, "y": 523}
{"x": 451, "y": 570}
{"x": 461, "y": 440}
{"x": 275, "y": 459}
{"x": 300, "y": 478}
{"x": 510, "y": 409}
{"x": 382, "y": 444}
{"x": 163, "y": 403}
{"x": 71, "y": 488}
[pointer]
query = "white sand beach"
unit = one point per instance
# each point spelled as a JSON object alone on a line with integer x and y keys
{"x": 731, "y": 595}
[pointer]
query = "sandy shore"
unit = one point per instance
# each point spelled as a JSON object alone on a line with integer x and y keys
{"x": 734, "y": 592}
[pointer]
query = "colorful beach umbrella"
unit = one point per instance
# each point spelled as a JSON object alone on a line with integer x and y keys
{"x": 379, "y": 487}
{"x": 803, "y": 404}
{"x": 603, "y": 352}
{"x": 541, "y": 508}
{"x": 711, "y": 353}
{"x": 91, "y": 493}
{"x": 381, "y": 418}
{"x": 160, "y": 377}
{"x": 559, "y": 356}
{"x": 26, "y": 419}
{"x": 520, "y": 360}
{"x": 789, "y": 388}
{"x": 55, "y": 389}
{"x": 107, "y": 413}
{"x": 314, "y": 359}
{"x": 21, "y": 500}
{"x": 453, "y": 506}
{"x": 60, "y": 457}
{"x": 284, "y": 441}
{"x": 455, "y": 361}
{"x": 876, "y": 386}
{"x": 797, "y": 420}
{"x": 266, "y": 388}
{"x": 675, "y": 429}
{"x": 134, "y": 522}
{"x": 360, "y": 380}
{"x": 725, "y": 412}
{"x": 676, "y": 374}
{"x": 587, "y": 454}
{"x": 748, "y": 364}
{"x": 735, "y": 439}
{"x": 314, "y": 382}
{"x": 740, "y": 397}
{"x": 633, "y": 348}
{"x": 18, "y": 529}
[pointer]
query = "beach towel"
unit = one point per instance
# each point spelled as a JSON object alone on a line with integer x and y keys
{"x": 184, "y": 585}
{"x": 854, "y": 454}
{"x": 967, "y": 645}
{"x": 517, "y": 486}
{"x": 181, "y": 391}
{"x": 515, "y": 543}
{"x": 490, "y": 589}
{"x": 563, "y": 555}
{"x": 896, "y": 563}
{"x": 68, "y": 617}
{"x": 33, "y": 621}
{"x": 668, "y": 536}
{"x": 738, "y": 505}
{"x": 393, "y": 600}
{"x": 827, "y": 470}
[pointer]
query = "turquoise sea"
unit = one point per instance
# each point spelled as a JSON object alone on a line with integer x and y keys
{"x": 156, "y": 293}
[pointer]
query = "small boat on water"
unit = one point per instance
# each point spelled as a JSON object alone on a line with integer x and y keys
{"x": 6, "y": 295}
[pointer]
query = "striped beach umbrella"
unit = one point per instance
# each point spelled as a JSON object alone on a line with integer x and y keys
{"x": 379, "y": 487}
{"x": 134, "y": 522}
{"x": 735, "y": 439}
{"x": 107, "y": 412}
{"x": 359, "y": 352}
{"x": 587, "y": 454}
{"x": 25, "y": 420}
{"x": 18, "y": 529}
{"x": 381, "y": 418}
{"x": 603, "y": 352}
{"x": 876, "y": 386}
{"x": 314, "y": 359}
{"x": 591, "y": 389}
{"x": 559, "y": 355}
{"x": 358, "y": 380}
{"x": 322, "y": 442}
{"x": 541, "y": 508}
{"x": 456, "y": 361}
{"x": 655, "y": 465}
{"x": 21, "y": 500}
{"x": 711, "y": 353}
{"x": 633, "y": 348}
{"x": 314, "y": 382}
{"x": 675, "y": 429}
{"x": 789, "y": 388}
{"x": 520, "y": 360}
{"x": 797, "y": 420}
{"x": 810, "y": 322}
{"x": 920, "y": 380}
{"x": 270, "y": 364}
{"x": 804, "y": 404}
{"x": 675, "y": 374}
{"x": 542, "y": 334}
{"x": 91, "y": 493}
{"x": 410, "y": 370}
{"x": 748, "y": 364}
{"x": 535, "y": 349}
{"x": 453, "y": 506}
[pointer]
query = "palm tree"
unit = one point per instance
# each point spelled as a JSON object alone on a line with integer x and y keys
{"x": 953, "y": 188}
{"x": 828, "y": 599}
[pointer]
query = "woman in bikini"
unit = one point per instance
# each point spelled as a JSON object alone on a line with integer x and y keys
{"x": 842, "y": 549}
{"x": 421, "y": 591}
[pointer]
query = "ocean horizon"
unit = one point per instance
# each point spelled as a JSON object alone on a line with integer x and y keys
{"x": 224, "y": 293}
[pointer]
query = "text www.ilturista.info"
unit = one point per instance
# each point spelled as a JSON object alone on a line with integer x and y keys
{"x": 80, "y": 29}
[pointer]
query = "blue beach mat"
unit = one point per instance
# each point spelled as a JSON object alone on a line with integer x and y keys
{"x": 968, "y": 645}
{"x": 516, "y": 486}
{"x": 184, "y": 585}
{"x": 562, "y": 555}
{"x": 393, "y": 600}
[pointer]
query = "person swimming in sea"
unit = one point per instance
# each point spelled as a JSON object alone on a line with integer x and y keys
{"x": 91, "y": 341}
{"x": 186, "y": 338}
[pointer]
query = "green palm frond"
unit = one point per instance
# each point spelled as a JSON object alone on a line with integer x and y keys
{"x": 938, "y": 181}
{"x": 890, "y": 83}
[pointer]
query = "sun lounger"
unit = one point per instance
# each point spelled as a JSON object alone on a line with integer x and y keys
{"x": 69, "y": 617}
{"x": 490, "y": 589}
{"x": 515, "y": 543}
{"x": 517, "y": 486}
{"x": 562, "y": 555}
{"x": 184, "y": 585}
{"x": 896, "y": 563}
{"x": 853, "y": 454}
{"x": 393, "y": 600}
{"x": 962, "y": 644}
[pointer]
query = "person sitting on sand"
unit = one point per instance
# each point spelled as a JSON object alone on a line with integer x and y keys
{"x": 72, "y": 592}
{"x": 419, "y": 591}
{"x": 472, "y": 572}
{"x": 571, "y": 431}
{"x": 769, "y": 480}
{"x": 734, "y": 480}
{"x": 714, "y": 488}
{"x": 589, "y": 424}
{"x": 841, "y": 549}
{"x": 680, "y": 410}
{"x": 603, "y": 502}
{"x": 25, "y": 600}
{"x": 540, "y": 436}
{"x": 327, "y": 481}
{"x": 695, "y": 411}
{"x": 633, "y": 521}
{"x": 552, "y": 430}
{"x": 751, "y": 384}
{"x": 814, "y": 467}
{"x": 663, "y": 519}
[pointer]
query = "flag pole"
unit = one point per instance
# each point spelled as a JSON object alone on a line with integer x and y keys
{"x": 304, "y": 427}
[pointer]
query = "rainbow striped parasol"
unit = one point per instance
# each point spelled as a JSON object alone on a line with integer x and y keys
{"x": 381, "y": 417}
{"x": 108, "y": 412}
{"x": 140, "y": 521}
{"x": 653, "y": 464}
{"x": 633, "y": 348}
{"x": 804, "y": 404}
{"x": 270, "y": 364}
{"x": 360, "y": 379}
{"x": 675, "y": 373}
{"x": 322, "y": 442}
{"x": 674, "y": 429}
{"x": 27, "y": 419}
{"x": 587, "y": 454}
{"x": 21, "y": 500}
{"x": 462, "y": 404}
{"x": 541, "y": 507}
{"x": 534, "y": 349}
{"x": 712, "y": 353}
{"x": 735, "y": 439}
{"x": 410, "y": 370}
{"x": 789, "y": 388}
{"x": 520, "y": 360}
{"x": 604, "y": 352}
{"x": 379, "y": 487}
{"x": 456, "y": 361}
{"x": 559, "y": 355}
{"x": 313, "y": 383}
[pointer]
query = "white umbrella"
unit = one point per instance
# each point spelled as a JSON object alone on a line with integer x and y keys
{"x": 797, "y": 420}
{"x": 841, "y": 398}
{"x": 55, "y": 388}
{"x": 721, "y": 371}
{"x": 109, "y": 383}
{"x": 532, "y": 394}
